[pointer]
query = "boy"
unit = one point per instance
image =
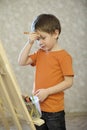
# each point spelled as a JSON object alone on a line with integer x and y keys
{"x": 54, "y": 72}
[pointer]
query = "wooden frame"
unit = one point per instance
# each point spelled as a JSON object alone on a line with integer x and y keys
{"x": 10, "y": 96}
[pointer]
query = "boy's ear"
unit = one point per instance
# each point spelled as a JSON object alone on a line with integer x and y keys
{"x": 56, "y": 34}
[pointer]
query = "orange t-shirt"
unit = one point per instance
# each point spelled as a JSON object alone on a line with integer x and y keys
{"x": 51, "y": 67}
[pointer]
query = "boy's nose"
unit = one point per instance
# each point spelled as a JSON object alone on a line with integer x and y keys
{"x": 41, "y": 41}
{"x": 41, "y": 44}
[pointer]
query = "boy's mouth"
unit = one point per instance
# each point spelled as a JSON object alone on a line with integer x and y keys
{"x": 43, "y": 47}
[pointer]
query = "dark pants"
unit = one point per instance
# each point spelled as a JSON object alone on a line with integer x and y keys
{"x": 53, "y": 121}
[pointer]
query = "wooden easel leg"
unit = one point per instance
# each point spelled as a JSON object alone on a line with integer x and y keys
{"x": 16, "y": 121}
{"x": 26, "y": 113}
{"x": 10, "y": 89}
{"x": 4, "y": 120}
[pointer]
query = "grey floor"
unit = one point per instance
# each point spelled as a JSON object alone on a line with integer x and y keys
{"x": 72, "y": 123}
{"x": 76, "y": 122}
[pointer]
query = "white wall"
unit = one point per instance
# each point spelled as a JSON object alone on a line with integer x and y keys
{"x": 16, "y": 17}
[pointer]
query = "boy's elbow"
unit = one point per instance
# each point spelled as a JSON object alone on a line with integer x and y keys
{"x": 71, "y": 83}
{"x": 20, "y": 62}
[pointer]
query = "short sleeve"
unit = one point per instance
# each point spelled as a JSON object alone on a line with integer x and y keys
{"x": 34, "y": 58}
{"x": 66, "y": 65}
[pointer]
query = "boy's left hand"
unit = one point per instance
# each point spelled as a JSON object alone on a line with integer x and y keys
{"x": 42, "y": 94}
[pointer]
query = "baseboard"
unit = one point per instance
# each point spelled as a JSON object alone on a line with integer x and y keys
{"x": 76, "y": 114}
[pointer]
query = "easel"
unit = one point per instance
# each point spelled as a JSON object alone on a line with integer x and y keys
{"x": 10, "y": 96}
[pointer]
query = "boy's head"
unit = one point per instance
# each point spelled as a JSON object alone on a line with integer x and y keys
{"x": 46, "y": 23}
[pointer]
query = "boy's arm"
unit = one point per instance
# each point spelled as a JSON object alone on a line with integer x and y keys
{"x": 44, "y": 93}
{"x": 67, "y": 83}
{"x": 24, "y": 55}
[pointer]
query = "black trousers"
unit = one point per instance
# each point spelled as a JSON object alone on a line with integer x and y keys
{"x": 53, "y": 121}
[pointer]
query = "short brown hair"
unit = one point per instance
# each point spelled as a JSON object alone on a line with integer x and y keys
{"x": 46, "y": 23}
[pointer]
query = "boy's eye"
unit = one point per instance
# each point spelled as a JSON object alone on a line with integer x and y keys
{"x": 38, "y": 38}
{"x": 43, "y": 38}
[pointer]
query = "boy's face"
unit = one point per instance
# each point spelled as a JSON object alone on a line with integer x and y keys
{"x": 47, "y": 41}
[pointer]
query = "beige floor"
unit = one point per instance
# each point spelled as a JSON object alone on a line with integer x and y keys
{"x": 76, "y": 122}
{"x": 73, "y": 122}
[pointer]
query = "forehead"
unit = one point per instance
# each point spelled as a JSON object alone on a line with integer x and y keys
{"x": 41, "y": 33}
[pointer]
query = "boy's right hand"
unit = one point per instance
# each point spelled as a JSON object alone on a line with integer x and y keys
{"x": 33, "y": 36}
